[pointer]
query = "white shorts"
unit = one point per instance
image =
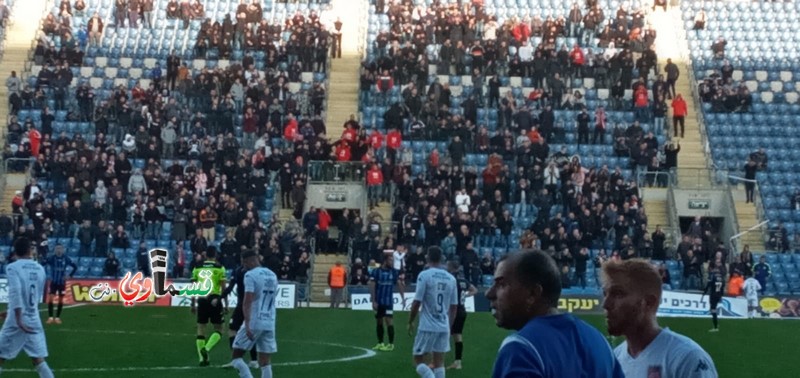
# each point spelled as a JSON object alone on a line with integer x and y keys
{"x": 13, "y": 340}
{"x": 264, "y": 341}
{"x": 752, "y": 302}
{"x": 431, "y": 342}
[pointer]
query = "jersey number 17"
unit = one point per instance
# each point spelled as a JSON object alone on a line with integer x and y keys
{"x": 268, "y": 300}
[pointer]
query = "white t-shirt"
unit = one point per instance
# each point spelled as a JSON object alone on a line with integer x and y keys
{"x": 669, "y": 355}
{"x": 463, "y": 202}
{"x": 263, "y": 283}
{"x": 436, "y": 290}
{"x": 751, "y": 288}
{"x": 399, "y": 260}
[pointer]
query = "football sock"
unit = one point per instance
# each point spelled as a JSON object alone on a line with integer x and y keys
{"x": 424, "y": 371}
{"x": 44, "y": 370}
{"x": 50, "y": 309}
{"x": 60, "y": 306}
{"x": 266, "y": 371}
{"x": 230, "y": 341}
{"x": 459, "y": 350}
{"x": 379, "y": 330}
{"x": 438, "y": 372}
{"x": 244, "y": 371}
{"x": 391, "y": 334}
{"x": 213, "y": 340}
{"x": 714, "y": 319}
{"x": 254, "y": 356}
{"x": 201, "y": 343}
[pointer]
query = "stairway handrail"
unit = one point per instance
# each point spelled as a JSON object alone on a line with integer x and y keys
{"x": 672, "y": 217}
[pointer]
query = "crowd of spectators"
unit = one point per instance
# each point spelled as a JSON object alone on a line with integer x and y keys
{"x": 453, "y": 38}
{"x": 188, "y": 159}
{"x": 701, "y": 253}
{"x": 723, "y": 93}
{"x": 527, "y": 195}
{"x": 305, "y": 51}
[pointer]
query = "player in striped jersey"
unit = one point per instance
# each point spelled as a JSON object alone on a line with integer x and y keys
{"x": 58, "y": 264}
{"x": 465, "y": 290}
{"x": 381, "y": 288}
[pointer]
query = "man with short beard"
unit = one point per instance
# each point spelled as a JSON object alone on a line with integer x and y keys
{"x": 632, "y": 294}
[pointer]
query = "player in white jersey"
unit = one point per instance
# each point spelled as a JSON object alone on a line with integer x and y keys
{"x": 22, "y": 329}
{"x": 260, "y": 291}
{"x": 437, "y": 295}
{"x": 632, "y": 294}
{"x": 751, "y": 287}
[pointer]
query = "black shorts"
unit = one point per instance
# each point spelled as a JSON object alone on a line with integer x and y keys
{"x": 714, "y": 302}
{"x": 237, "y": 319}
{"x": 57, "y": 288}
{"x": 209, "y": 308}
{"x": 458, "y": 323}
{"x": 384, "y": 312}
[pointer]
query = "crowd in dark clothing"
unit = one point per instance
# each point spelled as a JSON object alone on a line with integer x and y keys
{"x": 199, "y": 152}
{"x": 723, "y": 93}
{"x": 527, "y": 195}
{"x": 307, "y": 46}
{"x": 467, "y": 41}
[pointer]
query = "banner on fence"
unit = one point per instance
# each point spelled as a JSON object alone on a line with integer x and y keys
{"x": 285, "y": 298}
{"x": 362, "y": 302}
{"x": 78, "y": 292}
{"x": 680, "y": 304}
{"x": 773, "y": 307}
{"x": 581, "y": 304}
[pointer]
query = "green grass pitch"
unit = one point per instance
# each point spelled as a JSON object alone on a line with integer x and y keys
{"x": 112, "y": 341}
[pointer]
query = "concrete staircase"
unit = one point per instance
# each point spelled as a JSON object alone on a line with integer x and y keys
{"x": 13, "y": 182}
{"x": 344, "y": 73}
{"x": 20, "y": 34}
{"x": 655, "y": 204}
{"x": 342, "y": 92}
{"x": 747, "y": 216}
{"x": 693, "y": 162}
{"x": 319, "y": 277}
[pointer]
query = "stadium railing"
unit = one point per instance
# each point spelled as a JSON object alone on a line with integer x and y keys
{"x": 320, "y": 171}
{"x": 672, "y": 218}
{"x": 654, "y": 179}
{"x": 302, "y": 292}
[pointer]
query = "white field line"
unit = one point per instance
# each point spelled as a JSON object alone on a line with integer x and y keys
{"x": 365, "y": 353}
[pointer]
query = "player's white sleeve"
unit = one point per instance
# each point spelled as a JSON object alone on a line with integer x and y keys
{"x": 249, "y": 284}
{"x": 758, "y": 285}
{"x": 15, "y": 299}
{"x": 419, "y": 294}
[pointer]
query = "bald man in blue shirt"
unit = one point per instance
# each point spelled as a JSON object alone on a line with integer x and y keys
{"x": 547, "y": 344}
